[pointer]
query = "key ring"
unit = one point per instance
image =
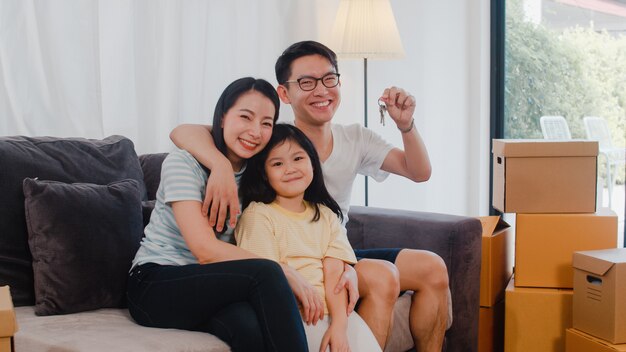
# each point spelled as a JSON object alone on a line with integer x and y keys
{"x": 382, "y": 109}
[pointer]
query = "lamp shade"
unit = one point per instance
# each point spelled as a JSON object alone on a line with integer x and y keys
{"x": 366, "y": 29}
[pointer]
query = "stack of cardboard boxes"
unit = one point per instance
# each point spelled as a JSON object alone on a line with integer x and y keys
{"x": 551, "y": 188}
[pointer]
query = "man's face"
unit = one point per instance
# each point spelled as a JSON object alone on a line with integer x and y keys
{"x": 317, "y": 106}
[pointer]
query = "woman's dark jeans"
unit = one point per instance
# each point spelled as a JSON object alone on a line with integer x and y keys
{"x": 246, "y": 303}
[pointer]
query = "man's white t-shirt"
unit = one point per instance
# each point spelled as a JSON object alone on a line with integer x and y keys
{"x": 356, "y": 150}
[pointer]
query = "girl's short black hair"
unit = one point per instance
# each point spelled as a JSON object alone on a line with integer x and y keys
{"x": 230, "y": 95}
{"x": 297, "y": 50}
{"x": 255, "y": 187}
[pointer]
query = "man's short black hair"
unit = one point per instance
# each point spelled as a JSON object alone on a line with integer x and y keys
{"x": 298, "y": 50}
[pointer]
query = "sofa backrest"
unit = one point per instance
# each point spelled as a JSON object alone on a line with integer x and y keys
{"x": 151, "y": 167}
{"x": 67, "y": 160}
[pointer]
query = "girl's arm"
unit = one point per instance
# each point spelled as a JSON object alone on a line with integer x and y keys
{"x": 221, "y": 190}
{"x": 200, "y": 237}
{"x": 306, "y": 294}
{"x": 336, "y": 336}
{"x": 350, "y": 282}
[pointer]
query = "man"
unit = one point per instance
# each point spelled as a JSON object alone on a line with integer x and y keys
{"x": 308, "y": 79}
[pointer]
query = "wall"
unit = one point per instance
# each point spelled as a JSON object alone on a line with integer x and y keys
{"x": 447, "y": 69}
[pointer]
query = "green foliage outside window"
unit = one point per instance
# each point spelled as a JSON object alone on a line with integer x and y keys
{"x": 573, "y": 73}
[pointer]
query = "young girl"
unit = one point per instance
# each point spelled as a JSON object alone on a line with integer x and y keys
{"x": 289, "y": 217}
{"x": 183, "y": 276}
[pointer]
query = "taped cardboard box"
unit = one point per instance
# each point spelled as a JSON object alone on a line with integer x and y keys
{"x": 491, "y": 328}
{"x": 497, "y": 259}
{"x": 8, "y": 323}
{"x": 545, "y": 243}
{"x": 535, "y": 319}
{"x": 600, "y": 294}
{"x": 578, "y": 341}
{"x": 539, "y": 176}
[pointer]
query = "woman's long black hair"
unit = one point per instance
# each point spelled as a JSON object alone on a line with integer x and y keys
{"x": 255, "y": 187}
{"x": 228, "y": 98}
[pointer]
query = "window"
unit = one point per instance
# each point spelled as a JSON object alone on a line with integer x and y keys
{"x": 561, "y": 58}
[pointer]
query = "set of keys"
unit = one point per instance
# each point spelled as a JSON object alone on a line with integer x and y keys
{"x": 382, "y": 109}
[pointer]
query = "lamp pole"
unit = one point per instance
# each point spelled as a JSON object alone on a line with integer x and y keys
{"x": 365, "y": 121}
{"x": 366, "y": 29}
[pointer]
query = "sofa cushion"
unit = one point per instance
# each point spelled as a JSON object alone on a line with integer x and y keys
{"x": 83, "y": 238}
{"x": 59, "y": 159}
{"x": 105, "y": 330}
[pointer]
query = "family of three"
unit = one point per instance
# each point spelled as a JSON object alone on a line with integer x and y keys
{"x": 283, "y": 277}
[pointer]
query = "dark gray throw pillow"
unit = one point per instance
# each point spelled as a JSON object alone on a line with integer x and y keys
{"x": 66, "y": 160}
{"x": 83, "y": 238}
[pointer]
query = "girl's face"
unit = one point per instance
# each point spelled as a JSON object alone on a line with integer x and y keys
{"x": 247, "y": 127}
{"x": 289, "y": 170}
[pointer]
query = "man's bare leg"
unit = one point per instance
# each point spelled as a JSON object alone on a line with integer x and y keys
{"x": 426, "y": 274}
{"x": 379, "y": 286}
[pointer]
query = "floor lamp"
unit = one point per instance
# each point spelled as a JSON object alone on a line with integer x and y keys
{"x": 366, "y": 29}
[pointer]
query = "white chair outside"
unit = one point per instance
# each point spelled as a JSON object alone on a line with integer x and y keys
{"x": 555, "y": 127}
{"x": 598, "y": 130}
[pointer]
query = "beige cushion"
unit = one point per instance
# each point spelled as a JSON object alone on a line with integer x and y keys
{"x": 104, "y": 330}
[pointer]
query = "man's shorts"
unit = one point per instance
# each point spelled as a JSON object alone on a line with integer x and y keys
{"x": 388, "y": 254}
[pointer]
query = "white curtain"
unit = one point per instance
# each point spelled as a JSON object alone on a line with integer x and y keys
{"x": 93, "y": 68}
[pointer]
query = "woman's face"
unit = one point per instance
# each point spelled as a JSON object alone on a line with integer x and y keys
{"x": 247, "y": 127}
{"x": 289, "y": 170}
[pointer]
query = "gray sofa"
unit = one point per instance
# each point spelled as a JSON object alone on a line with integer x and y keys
{"x": 64, "y": 247}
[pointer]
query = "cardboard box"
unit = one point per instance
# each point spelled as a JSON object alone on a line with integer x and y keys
{"x": 497, "y": 259}
{"x": 600, "y": 294}
{"x": 6, "y": 344}
{"x": 535, "y": 319}
{"x": 8, "y": 323}
{"x": 491, "y": 328}
{"x": 578, "y": 341}
{"x": 542, "y": 176}
{"x": 545, "y": 244}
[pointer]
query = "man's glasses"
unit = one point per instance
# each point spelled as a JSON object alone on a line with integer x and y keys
{"x": 307, "y": 83}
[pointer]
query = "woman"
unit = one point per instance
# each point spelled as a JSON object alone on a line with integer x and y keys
{"x": 183, "y": 276}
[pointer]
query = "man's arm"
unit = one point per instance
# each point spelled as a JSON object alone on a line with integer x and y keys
{"x": 221, "y": 190}
{"x": 412, "y": 162}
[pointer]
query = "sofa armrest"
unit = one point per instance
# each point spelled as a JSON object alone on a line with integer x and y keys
{"x": 457, "y": 239}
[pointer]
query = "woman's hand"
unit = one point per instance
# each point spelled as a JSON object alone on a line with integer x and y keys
{"x": 308, "y": 297}
{"x": 221, "y": 197}
{"x": 336, "y": 337}
{"x": 350, "y": 281}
